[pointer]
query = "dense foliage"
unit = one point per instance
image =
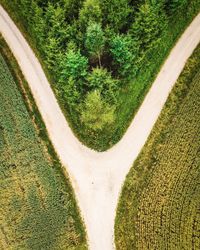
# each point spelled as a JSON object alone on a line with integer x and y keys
{"x": 37, "y": 208}
{"x": 128, "y": 39}
{"x": 160, "y": 200}
{"x": 95, "y": 112}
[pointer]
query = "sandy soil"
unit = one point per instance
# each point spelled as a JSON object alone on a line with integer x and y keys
{"x": 97, "y": 177}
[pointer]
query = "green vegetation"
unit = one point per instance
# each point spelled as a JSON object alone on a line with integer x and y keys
{"x": 160, "y": 200}
{"x": 95, "y": 41}
{"x": 128, "y": 39}
{"x": 38, "y": 208}
{"x": 96, "y": 114}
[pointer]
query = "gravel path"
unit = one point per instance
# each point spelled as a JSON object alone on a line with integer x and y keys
{"x": 97, "y": 177}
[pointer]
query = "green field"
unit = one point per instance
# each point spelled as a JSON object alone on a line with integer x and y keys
{"x": 63, "y": 24}
{"x": 37, "y": 209}
{"x": 160, "y": 200}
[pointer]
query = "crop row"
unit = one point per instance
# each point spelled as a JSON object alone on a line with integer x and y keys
{"x": 168, "y": 204}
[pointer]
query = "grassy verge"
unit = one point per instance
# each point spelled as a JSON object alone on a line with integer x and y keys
{"x": 158, "y": 207}
{"x": 38, "y": 207}
{"x": 130, "y": 97}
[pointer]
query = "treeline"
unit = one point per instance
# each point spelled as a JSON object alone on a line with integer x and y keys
{"x": 93, "y": 48}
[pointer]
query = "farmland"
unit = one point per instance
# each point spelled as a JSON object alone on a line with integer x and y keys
{"x": 120, "y": 68}
{"x": 160, "y": 200}
{"x": 38, "y": 209}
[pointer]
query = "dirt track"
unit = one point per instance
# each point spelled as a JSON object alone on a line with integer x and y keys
{"x": 97, "y": 177}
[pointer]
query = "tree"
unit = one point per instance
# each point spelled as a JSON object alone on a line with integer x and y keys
{"x": 149, "y": 24}
{"x": 124, "y": 53}
{"x": 56, "y": 34}
{"x": 90, "y": 12}
{"x": 38, "y": 26}
{"x": 71, "y": 8}
{"x": 115, "y": 13}
{"x": 70, "y": 93}
{"x": 100, "y": 79}
{"x": 73, "y": 65}
{"x": 52, "y": 49}
{"x": 174, "y": 5}
{"x": 95, "y": 41}
{"x": 96, "y": 114}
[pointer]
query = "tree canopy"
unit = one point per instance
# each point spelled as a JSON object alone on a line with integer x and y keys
{"x": 96, "y": 113}
{"x": 95, "y": 41}
{"x": 95, "y": 47}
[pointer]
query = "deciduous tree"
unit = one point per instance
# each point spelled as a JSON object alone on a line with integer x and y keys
{"x": 95, "y": 41}
{"x": 96, "y": 114}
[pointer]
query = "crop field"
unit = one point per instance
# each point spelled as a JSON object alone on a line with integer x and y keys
{"x": 160, "y": 200}
{"x": 38, "y": 208}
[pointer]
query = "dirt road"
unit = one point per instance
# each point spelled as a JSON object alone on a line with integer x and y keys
{"x": 97, "y": 177}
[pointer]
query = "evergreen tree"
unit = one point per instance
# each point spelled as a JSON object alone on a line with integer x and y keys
{"x": 124, "y": 51}
{"x": 174, "y": 5}
{"x": 70, "y": 93}
{"x": 39, "y": 26}
{"x": 115, "y": 13}
{"x": 73, "y": 65}
{"x": 90, "y": 13}
{"x": 100, "y": 79}
{"x": 52, "y": 51}
{"x": 71, "y": 9}
{"x": 149, "y": 23}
